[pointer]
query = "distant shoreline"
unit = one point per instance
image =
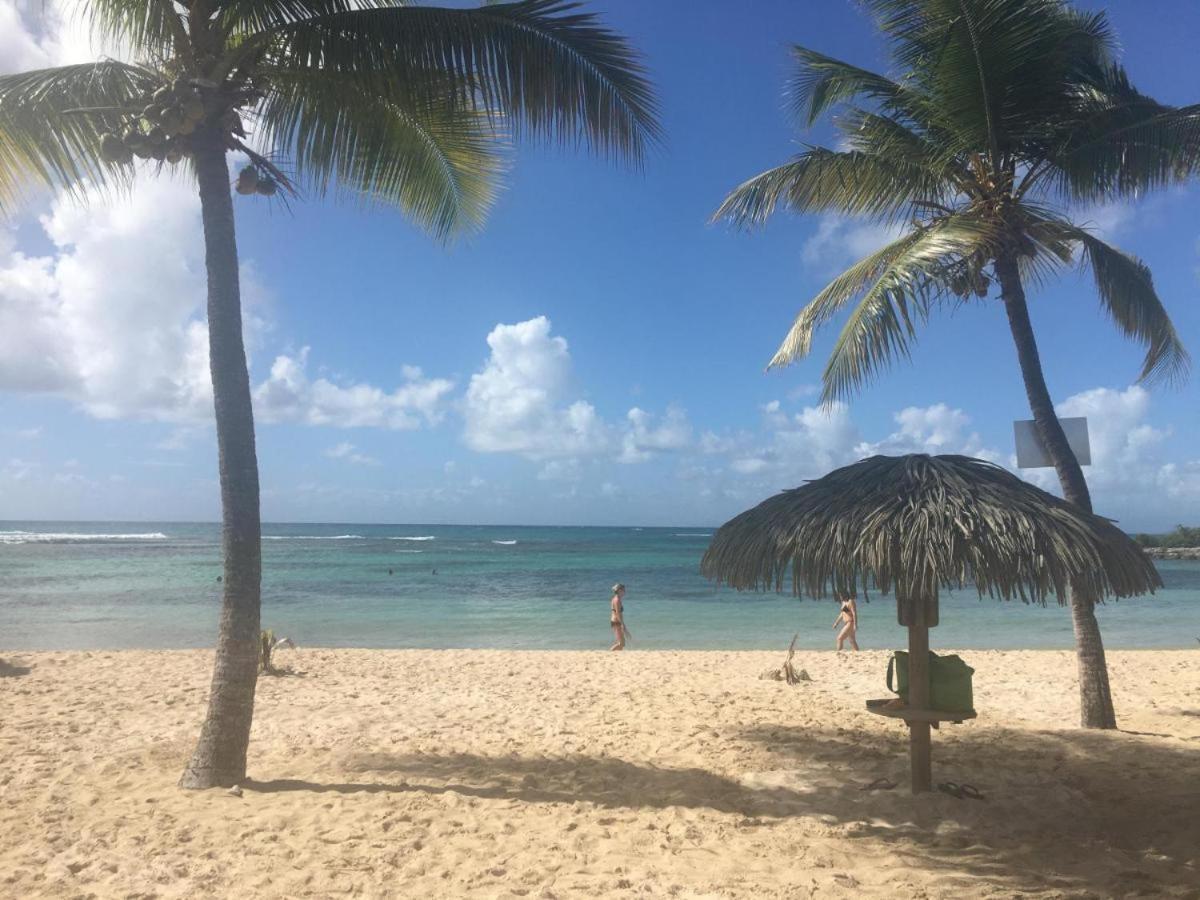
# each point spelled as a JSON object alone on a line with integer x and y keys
{"x": 1173, "y": 552}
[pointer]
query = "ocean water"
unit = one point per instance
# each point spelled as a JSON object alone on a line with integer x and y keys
{"x": 112, "y": 585}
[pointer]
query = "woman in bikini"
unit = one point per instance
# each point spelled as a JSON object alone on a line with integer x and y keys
{"x": 617, "y": 617}
{"x": 849, "y": 616}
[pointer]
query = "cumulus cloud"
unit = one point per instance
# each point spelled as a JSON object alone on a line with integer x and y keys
{"x": 348, "y": 452}
{"x": 289, "y": 395}
{"x": 1130, "y": 473}
{"x": 839, "y": 241}
{"x": 790, "y": 447}
{"x": 931, "y": 429}
{"x": 113, "y": 320}
{"x": 644, "y": 438}
{"x": 518, "y": 403}
{"x": 36, "y": 34}
{"x": 523, "y": 401}
{"x": 1131, "y": 476}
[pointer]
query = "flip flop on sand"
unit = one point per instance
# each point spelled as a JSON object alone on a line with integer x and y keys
{"x": 971, "y": 792}
{"x": 879, "y": 784}
{"x": 949, "y": 787}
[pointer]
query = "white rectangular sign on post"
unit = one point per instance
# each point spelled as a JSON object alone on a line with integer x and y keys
{"x": 1032, "y": 455}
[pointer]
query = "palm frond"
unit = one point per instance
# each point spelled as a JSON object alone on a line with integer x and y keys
{"x": 551, "y": 71}
{"x": 1127, "y": 292}
{"x": 821, "y": 180}
{"x": 51, "y": 121}
{"x": 883, "y": 323}
{"x": 147, "y": 28}
{"x": 438, "y": 161}
{"x": 1120, "y": 142}
{"x": 820, "y": 82}
{"x": 833, "y": 298}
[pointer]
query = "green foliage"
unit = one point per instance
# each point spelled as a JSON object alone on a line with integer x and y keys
{"x": 1182, "y": 536}
{"x": 380, "y": 102}
{"x": 266, "y": 647}
{"x": 1005, "y": 113}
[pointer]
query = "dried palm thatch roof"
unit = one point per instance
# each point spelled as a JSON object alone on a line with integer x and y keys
{"x": 914, "y": 524}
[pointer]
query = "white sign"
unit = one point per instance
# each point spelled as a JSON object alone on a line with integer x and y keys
{"x": 1031, "y": 454}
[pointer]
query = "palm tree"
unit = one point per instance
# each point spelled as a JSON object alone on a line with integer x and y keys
{"x": 375, "y": 100}
{"x": 1006, "y": 114}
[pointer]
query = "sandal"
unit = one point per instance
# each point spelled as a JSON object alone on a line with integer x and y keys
{"x": 970, "y": 792}
{"x": 949, "y": 787}
{"x": 879, "y": 784}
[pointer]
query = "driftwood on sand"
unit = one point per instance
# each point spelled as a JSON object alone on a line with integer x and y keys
{"x": 787, "y": 672}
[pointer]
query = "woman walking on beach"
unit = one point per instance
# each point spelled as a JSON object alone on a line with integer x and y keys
{"x": 849, "y": 616}
{"x": 617, "y": 617}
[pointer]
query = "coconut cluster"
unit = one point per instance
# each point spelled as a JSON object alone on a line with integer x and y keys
{"x": 251, "y": 181}
{"x": 161, "y": 128}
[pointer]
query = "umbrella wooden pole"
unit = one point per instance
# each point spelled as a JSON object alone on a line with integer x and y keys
{"x": 918, "y": 698}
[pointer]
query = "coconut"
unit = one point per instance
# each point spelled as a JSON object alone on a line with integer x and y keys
{"x": 247, "y": 182}
{"x": 162, "y": 96}
{"x": 172, "y": 119}
{"x": 113, "y": 149}
{"x": 174, "y": 155}
{"x": 193, "y": 107}
{"x": 152, "y": 113}
{"x": 267, "y": 187}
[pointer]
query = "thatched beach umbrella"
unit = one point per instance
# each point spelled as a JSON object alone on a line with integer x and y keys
{"x": 912, "y": 525}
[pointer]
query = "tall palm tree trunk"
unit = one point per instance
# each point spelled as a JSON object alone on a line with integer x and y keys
{"x": 220, "y": 756}
{"x": 1095, "y": 697}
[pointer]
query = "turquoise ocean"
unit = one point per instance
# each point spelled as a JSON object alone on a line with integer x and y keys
{"x": 114, "y": 585}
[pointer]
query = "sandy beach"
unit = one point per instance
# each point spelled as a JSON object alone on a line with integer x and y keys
{"x": 578, "y": 774}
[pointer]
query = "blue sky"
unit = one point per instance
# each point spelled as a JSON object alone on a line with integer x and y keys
{"x": 103, "y": 408}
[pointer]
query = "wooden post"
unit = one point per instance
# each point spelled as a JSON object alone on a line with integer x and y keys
{"x": 918, "y": 698}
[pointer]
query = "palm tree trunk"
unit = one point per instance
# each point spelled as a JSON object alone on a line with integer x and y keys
{"x": 219, "y": 759}
{"x": 1095, "y": 697}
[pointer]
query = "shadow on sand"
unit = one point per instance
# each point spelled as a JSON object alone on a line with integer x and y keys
{"x": 1105, "y": 813}
{"x": 8, "y": 670}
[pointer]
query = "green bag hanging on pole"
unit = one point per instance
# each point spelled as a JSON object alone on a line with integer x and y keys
{"x": 949, "y": 681}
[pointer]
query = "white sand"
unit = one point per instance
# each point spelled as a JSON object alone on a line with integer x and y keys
{"x": 546, "y": 774}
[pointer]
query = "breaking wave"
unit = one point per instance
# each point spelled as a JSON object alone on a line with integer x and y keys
{"x": 71, "y": 537}
{"x": 313, "y": 537}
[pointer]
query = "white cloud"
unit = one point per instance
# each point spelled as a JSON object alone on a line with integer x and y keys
{"x": 644, "y": 440}
{"x": 289, "y": 395}
{"x": 518, "y": 402}
{"x": 931, "y": 429}
{"x": 112, "y": 319}
{"x": 521, "y": 402}
{"x": 36, "y": 34}
{"x": 1129, "y": 473}
{"x": 347, "y": 451}
{"x": 839, "y": 241}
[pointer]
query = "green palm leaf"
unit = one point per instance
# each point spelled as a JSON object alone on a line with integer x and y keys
{"x": 821, "y": 82}
{"x": 51, "y": 121}
{"x": 552, "y": 71}
{"x": 820, "y": 180}
{"x": 436, "y": 160}
{"x": 912, "y": 275}
{"x": 1126, "y": 290}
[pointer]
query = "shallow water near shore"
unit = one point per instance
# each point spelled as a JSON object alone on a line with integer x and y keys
{"x": 114, "y": 585}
